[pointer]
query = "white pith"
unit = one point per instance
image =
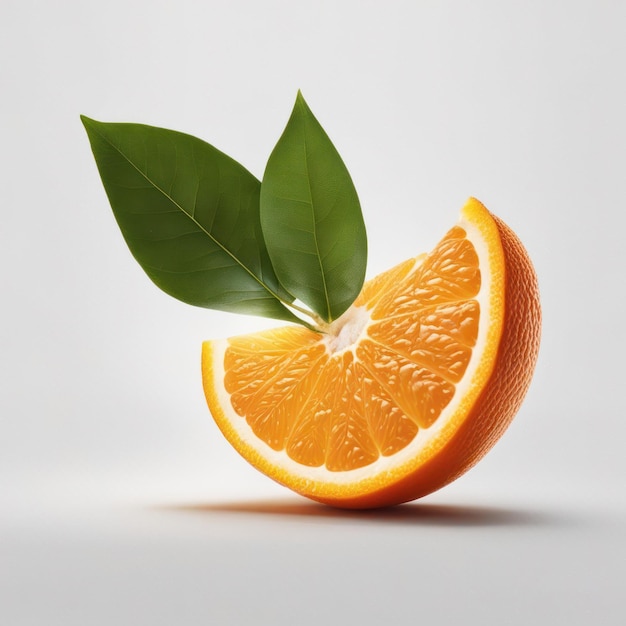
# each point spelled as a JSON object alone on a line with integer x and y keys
{"x": 345, "y": 333}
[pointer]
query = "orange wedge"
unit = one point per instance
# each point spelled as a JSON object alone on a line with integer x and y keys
{"x": 403, "y": 393}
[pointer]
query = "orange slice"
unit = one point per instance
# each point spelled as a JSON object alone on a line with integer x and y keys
{"x": 403, "y": 393}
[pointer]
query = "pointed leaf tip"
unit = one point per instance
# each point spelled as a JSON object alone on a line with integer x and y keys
{"x": 87, "y": 121}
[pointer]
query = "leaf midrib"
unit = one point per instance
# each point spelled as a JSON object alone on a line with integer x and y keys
{"x": 314, "y": 233}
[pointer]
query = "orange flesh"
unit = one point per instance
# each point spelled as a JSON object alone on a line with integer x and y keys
{"x": 346, "y": 409}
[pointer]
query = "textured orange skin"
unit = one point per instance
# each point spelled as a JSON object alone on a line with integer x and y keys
{"x": 500, "y": 399}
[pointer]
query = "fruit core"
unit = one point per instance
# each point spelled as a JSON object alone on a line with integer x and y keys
{"x": 346, "y": 330}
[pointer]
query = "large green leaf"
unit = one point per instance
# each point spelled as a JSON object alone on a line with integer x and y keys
{"x": 190, "y": 216}
{"x": 311, "y": 218}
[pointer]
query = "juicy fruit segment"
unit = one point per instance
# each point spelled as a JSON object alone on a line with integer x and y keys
{"x": 404, "y": 392}
{"x": 345, "y": 408}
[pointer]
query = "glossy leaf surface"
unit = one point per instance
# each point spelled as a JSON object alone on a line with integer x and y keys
{"x": 190, "y": 216}
{"x": 311, "y": 218}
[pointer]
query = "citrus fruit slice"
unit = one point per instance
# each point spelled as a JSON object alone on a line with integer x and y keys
{"x": 405, "y": 391}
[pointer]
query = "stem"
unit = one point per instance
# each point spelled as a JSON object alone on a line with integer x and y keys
{"x": 319, "y": 324}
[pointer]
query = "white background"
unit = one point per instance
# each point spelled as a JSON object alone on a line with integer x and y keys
{"x": 120, "y": 502}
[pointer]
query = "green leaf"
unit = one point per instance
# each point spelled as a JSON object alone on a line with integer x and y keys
{"x": 311, "y": 218}
{"x": 190, "y": 216}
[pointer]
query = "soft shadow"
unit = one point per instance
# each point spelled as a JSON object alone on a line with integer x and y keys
{"x": 405, "y": 514}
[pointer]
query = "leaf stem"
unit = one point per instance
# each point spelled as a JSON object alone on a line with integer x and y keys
{"x": 319, "y": 324}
